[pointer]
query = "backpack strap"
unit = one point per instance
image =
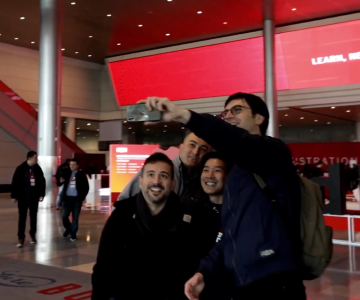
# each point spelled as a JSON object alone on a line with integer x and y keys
{"x": 271, "y": 195}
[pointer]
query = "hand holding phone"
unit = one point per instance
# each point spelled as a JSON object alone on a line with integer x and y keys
{"x": 139, "y": 113}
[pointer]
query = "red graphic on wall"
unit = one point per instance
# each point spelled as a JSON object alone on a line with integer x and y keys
{"x": 315, "y": 57}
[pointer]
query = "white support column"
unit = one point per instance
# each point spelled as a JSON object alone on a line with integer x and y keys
{"x": 49, "y": 85}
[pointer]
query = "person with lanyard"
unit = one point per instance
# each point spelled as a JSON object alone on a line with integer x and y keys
{"x": 76, "y": 188}
{"x": 27, "y": 189}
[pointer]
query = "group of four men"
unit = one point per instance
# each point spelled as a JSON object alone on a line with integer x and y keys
{"x": 164, "y": 229}
{"x": 161, "y": 232}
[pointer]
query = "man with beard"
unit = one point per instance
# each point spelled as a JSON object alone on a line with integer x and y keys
{"x": 186, "y": 170}
{"x": 145, "y": 241}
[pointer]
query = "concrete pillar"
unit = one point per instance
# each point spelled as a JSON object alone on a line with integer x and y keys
{"x": 270, "y": 71}
{"x": 49, "y": 81}
{"x": 70, "y": 129}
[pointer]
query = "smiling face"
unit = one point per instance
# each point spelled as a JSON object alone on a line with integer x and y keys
{"x": 239, "y": 114}
{"x": 156, "y": 182}
{"x": 213, "y": 177}
{"x": 192, "y": 150}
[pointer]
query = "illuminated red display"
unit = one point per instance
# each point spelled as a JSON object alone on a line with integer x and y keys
{"x": 315, "y": 57}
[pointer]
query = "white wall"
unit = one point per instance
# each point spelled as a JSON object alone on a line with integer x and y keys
{"x": 12, "y": 154}
{"x": 81, "y": 81}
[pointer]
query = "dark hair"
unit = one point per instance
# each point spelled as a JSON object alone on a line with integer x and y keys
{"x": 74, "y": 160}
{"x": 257, "y": 105}
{"x": 215, "y": 155}
{"x": 159, "y": 157}
{"x": 187, "y": 133}
{"x": 31, "y": 154}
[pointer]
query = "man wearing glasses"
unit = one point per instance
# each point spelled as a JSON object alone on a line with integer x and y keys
{"x": 259, "y": 253}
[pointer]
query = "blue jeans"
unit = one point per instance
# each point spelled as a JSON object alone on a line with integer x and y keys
{"x": 71, "y": 205}
{"x": 58, "y": 199}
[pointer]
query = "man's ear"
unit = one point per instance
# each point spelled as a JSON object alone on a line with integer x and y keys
{"x": 259, "y": 119}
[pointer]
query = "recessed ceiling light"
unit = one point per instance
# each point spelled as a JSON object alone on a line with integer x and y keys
{"x": 22, "y": 18}
{"x": 147, "y": 129}
{"x": 73, "y": 3}
{"x": 16, "y": 38}
{"x": 169, "y": 0}
{"x": 182, "y": 127}
{"x": 133, "y": 132}
{"x": 125, "y": 121}
{"x": 315, "y": 120}
{"x": 88, "y": 124}
{"x": 118, "y": 44}
{"x": 225, "y": 23}
{"x": 293, "y": 9}
{"x": 165, "y": 125}
{"x": 280, "y": 125}
{"x": 167, "y": 34}
{"x": 84, "y": 137}
{"x": 328, "y": 123}
{"x": 90, "y": 36}
{"x": 140, "y": 25}
{"x": 32, "y": 42}
{"x": 78, "y": 128}
{"x": 311, "y": 129}
{"x": 63, "y": 49}
{"x": 199, "y": 12}
{"x": 348, "y": 111}
{"x": 97, "y": 129}
{"x": 76, "y": 52}
{"x": 286, "y": 115}
{"x": 302, "y": 118}
{"x": 109, "y": 15}
{"x": 332, "y": 107}
{"x": 78, "y": 133}
{"x": 89, "y": 55}
{"x": 130, "y": 128}
{"x": 164, "y": 130}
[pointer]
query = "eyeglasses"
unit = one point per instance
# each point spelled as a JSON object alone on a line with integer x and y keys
{"x": 235, "y": 110}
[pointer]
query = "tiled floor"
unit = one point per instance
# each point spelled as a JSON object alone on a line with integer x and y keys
{"x": 341, "y": 281}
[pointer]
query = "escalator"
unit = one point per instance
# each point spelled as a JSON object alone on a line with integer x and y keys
{"x": 20, "y": 120}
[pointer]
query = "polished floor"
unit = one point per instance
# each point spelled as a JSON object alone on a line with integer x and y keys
{"x": 55, "y": 261}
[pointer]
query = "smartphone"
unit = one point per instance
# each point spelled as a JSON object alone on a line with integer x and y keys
{"x": 139, "y": 113}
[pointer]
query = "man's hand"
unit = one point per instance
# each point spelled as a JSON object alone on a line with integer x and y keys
{"x": 14, "y": 200}
{"x": 194, "y": 286}
{"x": 41, "y": 199}
{"x": 170, "y": 112}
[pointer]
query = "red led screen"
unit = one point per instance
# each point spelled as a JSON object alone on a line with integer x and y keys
{"x": 315, "y": 57}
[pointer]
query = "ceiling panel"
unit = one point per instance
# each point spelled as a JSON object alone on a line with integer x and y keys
{"x": 179, "y": 18}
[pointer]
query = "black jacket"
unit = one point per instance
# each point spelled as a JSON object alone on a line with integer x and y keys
{"x": 63, "y": 171}
{"x": 82, "y": 185}
{"x": 21, "y": 182}
{"x": 256, "y": 242}
{"x": 143, "y": 256}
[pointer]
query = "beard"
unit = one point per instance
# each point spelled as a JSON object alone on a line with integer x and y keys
{"x": 155, "y": 200}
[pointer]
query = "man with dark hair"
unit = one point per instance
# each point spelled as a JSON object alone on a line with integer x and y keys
{"x": 186, "y": 166}
{"x": 260, "y": 254}
{"x": 76, "y": 188}
{"x": 63, "y": 171}
{"x": 27, "y": 189}
{"x": 206, "y": 212}
{"x": 145, "y": 241}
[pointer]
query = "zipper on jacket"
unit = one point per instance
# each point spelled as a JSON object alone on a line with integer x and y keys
{"x": 232, "y": 239}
